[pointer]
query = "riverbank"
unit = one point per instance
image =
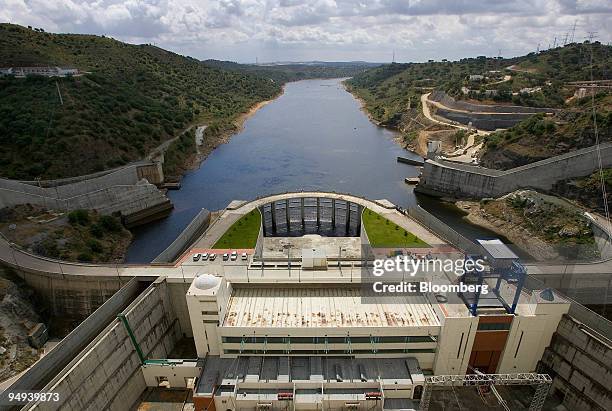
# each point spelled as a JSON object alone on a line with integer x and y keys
{"x": 210, "y": 141}
{"x": 398, "y": 137}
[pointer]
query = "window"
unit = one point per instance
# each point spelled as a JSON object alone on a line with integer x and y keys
{"x": 493, "y": 326}
{"x": 330, "y": 340}
{"x": 209, "y": 313}
{"x": 332, "y": 352}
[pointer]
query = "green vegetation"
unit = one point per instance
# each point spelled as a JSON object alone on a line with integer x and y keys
{"x": 384, "y": 233}
{"x": 178, "y": 154}
{"x": 540, "y": 137}
{"x": 243, "y": 233}
{"x": 133, "y": 98}
{"x": 387, "y": 90}
{"x": 587, "y": 190}
{"x": 547, "y": 218}
{"x": 283, "y": 73}
{"x": 81, "y": 235}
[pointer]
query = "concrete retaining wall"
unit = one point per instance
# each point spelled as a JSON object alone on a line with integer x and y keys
{"x": 483, "y": 116}
{"x": 462, "y": 180}
{"x": 450, "y": 102}
{"x": 483, "y": 121}
{"x": 107, "y": 374}
{"x": 71, "y": 296}
{"x": 127, "y": 174}
{"x": 580, "y": 361}
{"x": 195, "y": 228}
{"x": 128, "y": 190}
{"x": 37, "y": 376}
{"x": 442, "y": 229}
{"x": 126, "y": 199}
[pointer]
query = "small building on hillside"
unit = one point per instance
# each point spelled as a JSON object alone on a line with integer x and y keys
{"x": 45, "y": 71}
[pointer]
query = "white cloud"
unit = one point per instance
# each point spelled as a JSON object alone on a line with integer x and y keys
{"x": 322, "y": 29}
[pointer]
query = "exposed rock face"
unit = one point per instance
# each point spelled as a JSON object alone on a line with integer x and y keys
{"x": 505, "y": 158}
{"x": 17, "y": 317}
{"x": 587, "y": 190}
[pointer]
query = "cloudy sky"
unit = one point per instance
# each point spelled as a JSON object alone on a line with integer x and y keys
{"x": 332, "y": 30}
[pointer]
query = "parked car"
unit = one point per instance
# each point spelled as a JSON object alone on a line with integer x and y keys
{"x": 225, "y": 256}
{"x": 244, "y": 256}
{"x": 212, "y": 257}
{"x": 234, "y": 257}
{"x": 196, "y": 257}
{"x": 205, "y": 257}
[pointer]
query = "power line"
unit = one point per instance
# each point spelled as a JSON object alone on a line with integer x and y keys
{"x": 592, "y": 35}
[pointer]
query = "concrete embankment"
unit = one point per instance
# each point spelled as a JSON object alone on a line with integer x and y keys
{"x": 69, "y": 347}
{"x": 187, "y": 237}
{"x": 129, "y": 190}
{"x": 445, "y": 178}
{"x": 482, "y": 116}
{"x": 106, "y": 374}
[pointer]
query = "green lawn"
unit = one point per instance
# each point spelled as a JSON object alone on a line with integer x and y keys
{"x": 384, "y": 233}
{"x": 243, "y": 233}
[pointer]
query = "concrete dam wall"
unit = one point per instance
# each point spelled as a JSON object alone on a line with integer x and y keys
{"x": 483, "y": 116}
{"x": 50, "y": 365}
{"x": 483, "y": 121}
{"x": 461, "y": 180}
{"x": 127, "y": 190}
{"x": 106, "y": 374}
{"x": 451, "y": 103}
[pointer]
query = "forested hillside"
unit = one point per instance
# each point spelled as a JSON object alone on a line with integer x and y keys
{"x": 387, "y": 90}
{"x": 540, "y": 137}
{"x": 297, "y": 71}
{"x": 132, "y": 98}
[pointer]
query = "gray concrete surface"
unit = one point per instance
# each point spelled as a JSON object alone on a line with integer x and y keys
{"x": 194, "y": 229}
{"x": 460, "y": 180}
{"x": 128, "y": 190}
{"x": 581, "y": 362}
{"x": 106, "y": 374}
{"x": 54, "y": 361}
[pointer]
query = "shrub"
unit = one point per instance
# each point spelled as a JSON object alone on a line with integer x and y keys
{"x": 78, "y": 217}
{"x": 110, "y": 223}
{"x": 85, "y": 257}
{"x": 94, "y": 246}
{"x": 97, "y": 231}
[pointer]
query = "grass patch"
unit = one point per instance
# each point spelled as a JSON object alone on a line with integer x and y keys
{"x": 243, "y": 233}
{"x": 384, "y": 233}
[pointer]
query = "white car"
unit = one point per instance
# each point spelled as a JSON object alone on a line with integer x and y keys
{"x": 225, "y": 256}
{"x": 212, "y": 257}
{"x": 196, "y": 257}
{"x": 244, "y": 256}
{"x": 233, "y": 257}
{"x": 205, "y": 257}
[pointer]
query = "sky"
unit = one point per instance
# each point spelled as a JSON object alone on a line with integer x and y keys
{"x": 247, "y": 31}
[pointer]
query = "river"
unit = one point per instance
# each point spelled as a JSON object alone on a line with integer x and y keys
{"x": 313, "y": 137}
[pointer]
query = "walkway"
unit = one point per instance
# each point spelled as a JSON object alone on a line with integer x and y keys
{"x": 185, "y": 269}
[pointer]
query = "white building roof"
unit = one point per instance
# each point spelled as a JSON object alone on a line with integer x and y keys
{"x": 496, "y": 249}
{"x": 325, "y": 307}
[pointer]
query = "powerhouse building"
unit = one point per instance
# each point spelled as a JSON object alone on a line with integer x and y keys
{"x": 265, "y": 344}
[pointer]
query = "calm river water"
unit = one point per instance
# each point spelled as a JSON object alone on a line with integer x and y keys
{"x": 313, "y": 137}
